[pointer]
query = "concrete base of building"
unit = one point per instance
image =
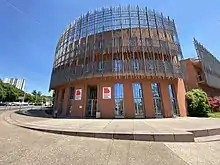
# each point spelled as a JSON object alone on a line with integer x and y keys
{"x": 123, "y": 98}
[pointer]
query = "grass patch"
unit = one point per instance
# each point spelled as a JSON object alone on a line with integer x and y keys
{"x": 214, "y": 114}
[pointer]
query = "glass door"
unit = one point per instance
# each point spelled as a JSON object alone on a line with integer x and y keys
{"x": 138, "y": 100}
{"x": 157, "y": 100}
{"x": 119, "y": 100}
{"x": 173, "y": 100}
{"x": 91, "y": 107}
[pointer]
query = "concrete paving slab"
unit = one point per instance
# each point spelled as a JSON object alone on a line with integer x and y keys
{"x": 169, "y": 130}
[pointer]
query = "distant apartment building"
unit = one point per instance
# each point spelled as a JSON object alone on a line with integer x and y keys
{"x": 18, "y": 83}
{"x": 203, "y": 72}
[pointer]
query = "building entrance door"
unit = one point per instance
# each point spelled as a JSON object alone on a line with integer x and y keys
{"x": 91, "y": 107}
{"x": 157, "y": 100}
{"x": 138, "y": 100}
{"x": 119, "y": 100}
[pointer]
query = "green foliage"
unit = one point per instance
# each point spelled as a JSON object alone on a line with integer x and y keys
{"x": 38, "y": 97}
{"x": 2, "y": 91}
{"x": 34, "y": 92}
{"x": 197, "y": 103}
{"x": 9, "y": 93}
{"x": 29, "y": 98}
{"x": 214, "y": 114}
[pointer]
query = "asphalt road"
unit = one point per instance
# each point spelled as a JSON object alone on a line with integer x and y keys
{"x": 20, "y": 146}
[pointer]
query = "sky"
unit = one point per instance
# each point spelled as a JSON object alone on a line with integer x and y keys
{"x": 30, "y": 29}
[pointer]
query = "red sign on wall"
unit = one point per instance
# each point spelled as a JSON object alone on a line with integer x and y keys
{"x": 106, "y": 93}
{"x": 78, "y": 94}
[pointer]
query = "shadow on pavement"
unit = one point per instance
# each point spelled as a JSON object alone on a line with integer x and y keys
{"x": 44, "y": 113}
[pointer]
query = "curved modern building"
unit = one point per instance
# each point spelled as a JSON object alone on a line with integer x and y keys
{"x": 119, "y": 62}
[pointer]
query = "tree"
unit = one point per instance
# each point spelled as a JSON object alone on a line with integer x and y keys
{"x": 197, "y": 103}
{"x": 39, "y": 93}
{"x": 11, "y": 93}
{"x": 2, "y": 91}
{"x": 34, "y": 92}
{"x": 29, "y": 98}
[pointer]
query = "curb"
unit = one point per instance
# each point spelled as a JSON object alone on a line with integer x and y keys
{"x": 156, "y": 137}
{"x": 205, "y": 132}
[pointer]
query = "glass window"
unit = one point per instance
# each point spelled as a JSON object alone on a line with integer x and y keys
{"x": 87, "y": 68}
{"x": 71, "y": 96}
{"x": 119, "y": 99}
{"x": 155, "y": 90}
{"x": 100, "y": 65}
{"x": 173, "y": 100}
{"x": 135, "y": 64}
{"x": 138, "y": 99}
{"x": 157, "y": 99}
{"x": 118, "y": 65}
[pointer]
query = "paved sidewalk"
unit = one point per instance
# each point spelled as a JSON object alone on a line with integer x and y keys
{"x": 168, "y": 130}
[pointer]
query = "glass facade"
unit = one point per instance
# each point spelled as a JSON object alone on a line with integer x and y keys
{"x": 138, "y": 99}
{"x": 119, "y": 100}
{"x": 157, "y": 100}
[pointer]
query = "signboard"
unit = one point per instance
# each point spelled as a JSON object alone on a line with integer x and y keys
{"x": 78, "y": 94}
{"x": 106, "y": 93}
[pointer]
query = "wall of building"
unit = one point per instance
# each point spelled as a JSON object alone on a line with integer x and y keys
{"x": 191, "y": 82}
{"x": 18, "y": 83}
{"x": 107, "y": 107}
{"x": 210, "y": 90}
{"x": 190, "y": 75}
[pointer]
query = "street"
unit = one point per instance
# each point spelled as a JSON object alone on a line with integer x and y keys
{"x": 26, "y": 147}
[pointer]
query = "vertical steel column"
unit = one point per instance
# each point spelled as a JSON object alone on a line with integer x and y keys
{"x": 167, "y": 41}
{"x": 153, "y": 51}
{"x": 74, "y": 49}
{"x": 143, "y": 55}
{"x": 180, "y": 55}
{"x": 112, "y": 26}
{"x": 177, "y": 38}
{"x": 122, "y": 51}
{"x": 78, "y": 56}
{"x": 103, "y": 46}
{"x": 171, "y": 54}
{"x": 136, "y": 60}
{"x": 131, "y": 47}
{"x": 94, "y": 43}
{"x": 85, "y": 49}
{"x": 148, "y": 26}
{"x": 160, "y": 50}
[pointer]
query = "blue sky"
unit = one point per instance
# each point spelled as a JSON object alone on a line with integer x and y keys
{"x": 29, "y": 31}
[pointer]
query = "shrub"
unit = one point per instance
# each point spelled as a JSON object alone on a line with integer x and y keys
{"x": 214, "y": 103}
{"x": 197, "y": 103}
